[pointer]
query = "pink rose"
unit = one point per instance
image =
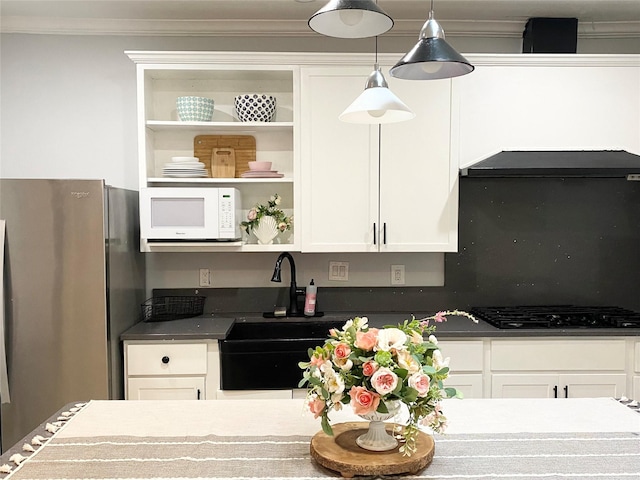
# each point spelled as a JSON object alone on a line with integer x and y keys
{"x": 333, "y": 333}
{"x": 342, "y": 350}
{"x": 369, "y": 368}
{"x": 384, "y": 381}
{"x": 420, "y": 382}
{"x": 363, "y": 401}
{"x": 316, "y": 406}
{"x": 367, "y": 340}
{"x": 252, "y": 215}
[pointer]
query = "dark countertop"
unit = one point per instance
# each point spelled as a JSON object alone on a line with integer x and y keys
{"x": 217, "y": 327}
{"x": 205, "y": 327}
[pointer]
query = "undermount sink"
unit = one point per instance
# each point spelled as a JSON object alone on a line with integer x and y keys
{"x": 280, "y": 330}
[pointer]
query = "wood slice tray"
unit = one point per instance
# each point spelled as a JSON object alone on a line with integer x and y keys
{"x": 244, "y": 147}
{"x": 340, "y": 453}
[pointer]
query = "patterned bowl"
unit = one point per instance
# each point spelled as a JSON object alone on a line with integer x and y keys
{"x": 255, "y": 107}
{"x": 194, "y": 109}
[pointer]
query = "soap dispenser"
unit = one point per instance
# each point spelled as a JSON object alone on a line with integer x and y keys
{"x": 310, "y": 299}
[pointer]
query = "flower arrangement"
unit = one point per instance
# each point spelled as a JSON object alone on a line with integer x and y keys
{"x": 269, "y": 210}
{"x": 367, "y": 367}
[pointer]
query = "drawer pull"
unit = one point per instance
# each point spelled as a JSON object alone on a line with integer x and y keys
{"x": 165, "y": 359}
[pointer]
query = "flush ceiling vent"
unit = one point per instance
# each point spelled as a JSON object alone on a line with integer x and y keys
{"x": 550, "y": 35}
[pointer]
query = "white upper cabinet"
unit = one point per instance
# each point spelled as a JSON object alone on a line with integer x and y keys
{"x": 546, "y": 102}
{"x": 388, "y": 188}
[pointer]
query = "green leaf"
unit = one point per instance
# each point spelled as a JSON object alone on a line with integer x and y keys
{"x": 451, "y": 392}
{"x": 303, "y": 365}
{"x": 410, "y": 395}
{"x": 443, "y": 371}
{"x": 302, "y": 383}
{"x": 315, "y": 381}
{"x": 428, "y": 369}
{"x": 324, "y": 393}
{"x": 382, "y": 408}
{"x": 326, "y": 426}
{"x": 401, "y": 372}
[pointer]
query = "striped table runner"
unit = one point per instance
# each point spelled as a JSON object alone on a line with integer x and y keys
{"x": 509, "y": 456}
{"x": 175, "y": 452}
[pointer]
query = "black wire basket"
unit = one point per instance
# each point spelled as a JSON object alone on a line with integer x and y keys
{"x": 160, "y": 309}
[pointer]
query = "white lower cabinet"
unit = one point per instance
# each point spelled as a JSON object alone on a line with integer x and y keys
{"x": 171, "y": 370}
{"x": 466, "y": 364}
{"x": 636, "y": 370}
{"x": 166, "y": 388}
{"x": 534, "y": 385}
{"x": 561, "y": 368}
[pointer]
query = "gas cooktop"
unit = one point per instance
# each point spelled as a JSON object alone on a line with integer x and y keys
{"x": 557, "y": 316}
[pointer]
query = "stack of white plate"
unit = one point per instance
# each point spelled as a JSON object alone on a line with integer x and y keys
{"x": 185, "y": 167}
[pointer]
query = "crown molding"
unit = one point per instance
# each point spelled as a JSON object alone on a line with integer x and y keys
{"x": 282, "y": 28}
{"x": 158, "y": 58}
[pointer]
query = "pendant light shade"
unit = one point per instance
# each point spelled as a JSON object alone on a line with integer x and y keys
{"x": 432, "y": 57}
{"x": 350, "y": 19}
{"x": 377, "y": 104}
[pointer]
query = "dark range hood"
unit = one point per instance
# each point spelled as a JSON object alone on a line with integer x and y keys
{"x": 586, "y": 163}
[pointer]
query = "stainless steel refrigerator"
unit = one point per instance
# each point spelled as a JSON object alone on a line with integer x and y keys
{"x": 73, "y": 281}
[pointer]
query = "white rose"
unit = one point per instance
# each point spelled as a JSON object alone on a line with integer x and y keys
{"x": 389, "y": 338}
{"x": 438, "y": 361}
{"x": 334, "y": 382}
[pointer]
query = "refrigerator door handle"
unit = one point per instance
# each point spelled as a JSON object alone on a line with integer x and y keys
{"x": 4, "y": 377}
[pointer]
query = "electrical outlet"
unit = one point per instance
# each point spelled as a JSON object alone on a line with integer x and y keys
{"x": 205, "y": 277}
{"x": 339, "y": 271}
{"x": 397, "y": 274}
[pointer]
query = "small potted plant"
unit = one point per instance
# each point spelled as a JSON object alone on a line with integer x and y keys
{"x": 267, "y": 221}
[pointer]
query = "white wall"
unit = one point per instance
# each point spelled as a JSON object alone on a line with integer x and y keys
{"x": 68, "y": 111}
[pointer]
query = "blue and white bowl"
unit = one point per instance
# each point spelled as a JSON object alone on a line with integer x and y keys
{"x": 194, "y": 109}
{"x": 255, "y": 107}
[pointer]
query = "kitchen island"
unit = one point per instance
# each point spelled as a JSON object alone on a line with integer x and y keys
{"x": 486, "y": 438}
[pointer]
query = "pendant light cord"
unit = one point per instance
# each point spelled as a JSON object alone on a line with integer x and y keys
{"x": 376, "y": 63}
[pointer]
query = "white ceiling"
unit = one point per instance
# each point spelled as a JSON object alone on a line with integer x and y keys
{"x": 612, "y": 18}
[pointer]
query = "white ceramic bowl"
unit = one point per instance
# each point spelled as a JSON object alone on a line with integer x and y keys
{"x": 194, "y": 109}
{"x": 255, "y": 107}
{"x": 260, "y": 166}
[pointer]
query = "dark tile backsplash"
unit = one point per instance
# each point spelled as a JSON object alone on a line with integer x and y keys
{"x": 522, "y": 241}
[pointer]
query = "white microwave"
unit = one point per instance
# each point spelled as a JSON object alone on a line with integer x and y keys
{"x": 204, "y": 214}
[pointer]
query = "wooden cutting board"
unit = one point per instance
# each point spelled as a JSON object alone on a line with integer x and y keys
{"x": 244, "y": 148}
{"x": 223, "y": 162}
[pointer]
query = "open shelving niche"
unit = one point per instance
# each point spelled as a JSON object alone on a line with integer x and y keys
{"x": 162, "y": 135}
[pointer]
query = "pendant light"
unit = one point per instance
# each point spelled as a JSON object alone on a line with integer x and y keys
{"x": 377, "y": 104}
{"x": 350, "y": 19}
{"x": 432, "y": 57}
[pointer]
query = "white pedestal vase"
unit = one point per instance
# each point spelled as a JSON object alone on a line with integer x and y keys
{"x": 266, "y": 230}
{"x": 377, "y": 439}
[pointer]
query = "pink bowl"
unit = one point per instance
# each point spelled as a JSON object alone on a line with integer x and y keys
{"x": 260, "y": 166}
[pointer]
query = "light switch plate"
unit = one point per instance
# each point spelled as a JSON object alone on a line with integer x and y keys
{"x": 339, "y": 271}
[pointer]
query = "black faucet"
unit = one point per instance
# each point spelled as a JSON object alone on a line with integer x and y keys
{"x": 294, "y": 291}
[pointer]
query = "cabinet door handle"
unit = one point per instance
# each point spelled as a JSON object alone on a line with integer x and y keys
{"x": 198, "y": 394}
{"x": 165, "y": 359}
{"x": 374, "y": 233}
{"x": 384, "y": 233}
{"x": 566, "y": 391}
{"x": 555, "y": 391}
